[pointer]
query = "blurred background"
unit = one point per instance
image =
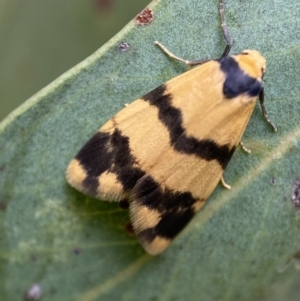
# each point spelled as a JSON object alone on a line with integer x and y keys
{"x": 41, "y": 39}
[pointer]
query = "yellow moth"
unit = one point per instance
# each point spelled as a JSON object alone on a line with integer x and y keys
{"x": 166, "y": 151}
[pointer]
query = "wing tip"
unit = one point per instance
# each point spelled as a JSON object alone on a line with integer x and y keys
{"x": 156, "y": 246}
{"x": 75, "y": 175}
{"x": 144, "y": 222}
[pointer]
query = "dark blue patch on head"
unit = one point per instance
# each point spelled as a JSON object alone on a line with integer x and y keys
{"x": 237, "y": 81}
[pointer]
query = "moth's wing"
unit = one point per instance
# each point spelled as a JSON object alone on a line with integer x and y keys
{"x": 120, "y": 153}
{"x": 165, "y": 151}
{"x": 202, "y": 129}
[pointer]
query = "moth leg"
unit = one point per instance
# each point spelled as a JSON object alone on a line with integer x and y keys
{"x": 199, "y": 62}
{"x": 247, "y": 150}
{"x": 225, "y": 30}
{"x": 261, "y": 101}
{"x": 173, "y": 56}
{"x": 227, "y": 186}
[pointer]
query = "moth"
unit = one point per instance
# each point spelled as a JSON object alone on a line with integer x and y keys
{"x": 166, "y": 152}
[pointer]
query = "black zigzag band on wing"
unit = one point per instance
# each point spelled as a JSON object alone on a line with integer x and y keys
{"x": 113, "y": 156}
{"x": 171, "y": 117}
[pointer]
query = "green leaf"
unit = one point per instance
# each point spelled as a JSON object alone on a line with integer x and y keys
{"x": 42, "y": 39}
{"x": 243, "y": 245}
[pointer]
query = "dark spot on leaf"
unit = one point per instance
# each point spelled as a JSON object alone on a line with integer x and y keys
{"x": 297, "y": 255}
{"x": 33, "y": 258}
{"x": 129, "y": 228}
{"x": 144, "y": 17}
{"x": 3, "y": 206}
{"x": 77, "y": 251}
{"x": 123, "y": 46}
{"x": 296, "y": 194}
{"x": 273, "y": 181}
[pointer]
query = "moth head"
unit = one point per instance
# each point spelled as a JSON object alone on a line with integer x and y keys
{"x": 252, "y": 63}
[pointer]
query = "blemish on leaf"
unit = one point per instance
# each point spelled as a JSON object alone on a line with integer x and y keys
{"x": 77, "y": 251}
{"x": 144, "y": 17}
{"x": 296, "y": 194}
{"x": 129, "y": 228}
{"x": 297, "y": 255}
{"x": 33, "y": 293}
{"x": 273, "y": 181}
{"x": 124, "y": 46}
{"x": 33, "y": 258}
{"x": 3, "y": 206}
